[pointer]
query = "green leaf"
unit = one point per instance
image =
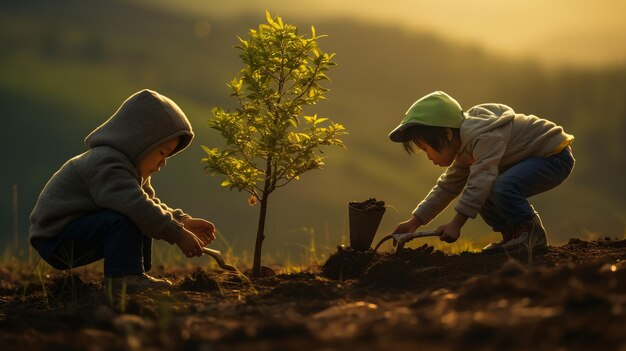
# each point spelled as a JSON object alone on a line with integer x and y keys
{"x": 269, "y": 17}
{"x": 319, "y": 120}
{"x": 207, "y": 150}
{"x": 244, "y": 43}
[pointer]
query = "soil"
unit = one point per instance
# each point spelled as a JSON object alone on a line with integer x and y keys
{"x": 370, "y": 205}
{"x": 570, "y": 297}
{"x": 199, "y": 281}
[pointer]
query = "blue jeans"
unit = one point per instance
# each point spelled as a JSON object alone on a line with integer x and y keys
{"x": 103, "y": 234}
{"x": 507, "y": 205}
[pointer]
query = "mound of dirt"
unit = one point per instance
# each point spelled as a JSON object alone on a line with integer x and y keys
{"x": 347, "y": 263}
{"x": 199, "y": 281}
{"x": 424, "y": 268}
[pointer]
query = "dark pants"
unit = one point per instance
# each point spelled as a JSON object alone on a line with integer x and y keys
{"x": 507, "y": 205}
{"x": 104, "y": 234}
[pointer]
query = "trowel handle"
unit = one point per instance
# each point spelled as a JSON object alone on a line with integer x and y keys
{"x": 402, "y": 239}
{"x": 211, "y": 252}
{"x": 409, "y": 236}
{"x": 425, "y": 233}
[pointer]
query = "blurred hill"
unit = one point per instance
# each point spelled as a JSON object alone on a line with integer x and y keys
{"x": 66, "y": 66}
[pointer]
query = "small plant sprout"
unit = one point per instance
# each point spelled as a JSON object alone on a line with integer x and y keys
{"x": 43, "y": 285}
{"x": 269, "y": 141}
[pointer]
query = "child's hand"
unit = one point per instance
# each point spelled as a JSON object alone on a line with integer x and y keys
{"x": 452, "y": 231}
{"x": 189, "y": 244}
{"x": 204, "y": 230}
{"x": 408, "y": 226}
{"x": 449, "y": 232}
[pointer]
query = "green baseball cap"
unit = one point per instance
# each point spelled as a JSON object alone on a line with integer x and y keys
{"x": 436, "y": 109}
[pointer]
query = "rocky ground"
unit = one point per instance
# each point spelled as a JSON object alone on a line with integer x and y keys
{"x": 571, "y": 297}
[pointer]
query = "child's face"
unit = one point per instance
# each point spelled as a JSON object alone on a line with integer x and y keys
{"x": 154, "y": 159}
{"x": 441, "y": 158}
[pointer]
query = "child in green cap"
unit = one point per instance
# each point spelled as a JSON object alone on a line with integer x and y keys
{"x": 495, "y": 159}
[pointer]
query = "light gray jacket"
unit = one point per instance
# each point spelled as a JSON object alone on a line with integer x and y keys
{"x": 106, "y": 176}
{"x": 493, "y": 138}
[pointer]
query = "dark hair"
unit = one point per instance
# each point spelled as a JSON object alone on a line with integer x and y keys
{"x": 433, "y": 136}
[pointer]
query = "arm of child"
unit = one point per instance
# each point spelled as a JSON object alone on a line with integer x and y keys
{"x": 449, "y": 185}
{"x": 203, "y": 229}
{"x": 488, "y": 151}
{"x": 178, "y": 214}
{"x": 189, "y": 244}
{"x": 408, "y": 226}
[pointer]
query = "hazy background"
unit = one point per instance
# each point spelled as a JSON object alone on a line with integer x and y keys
{"x": 65, "y": 67}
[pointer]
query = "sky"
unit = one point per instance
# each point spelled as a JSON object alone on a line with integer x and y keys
{"x": 579, "y": 32}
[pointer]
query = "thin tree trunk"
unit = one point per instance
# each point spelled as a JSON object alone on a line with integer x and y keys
{"x": 260, "y": 235}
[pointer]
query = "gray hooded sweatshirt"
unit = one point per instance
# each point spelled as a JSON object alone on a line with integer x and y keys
{"x": 106, "y": 176}
{"x": 493, "y": 138}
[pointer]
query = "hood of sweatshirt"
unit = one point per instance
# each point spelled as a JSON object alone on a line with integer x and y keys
{"x": 143, "y": 121}
{"x": 483, "y": 118}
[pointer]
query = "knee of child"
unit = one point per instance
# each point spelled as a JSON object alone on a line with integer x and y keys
{"x": 497, "y": 187}
{"x": 502, "y": 188}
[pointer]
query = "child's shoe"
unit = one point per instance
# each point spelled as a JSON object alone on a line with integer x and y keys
{"x": 495, "y": 247}
{"x": 137, "y": 282}
{"x": 530, "y": 235}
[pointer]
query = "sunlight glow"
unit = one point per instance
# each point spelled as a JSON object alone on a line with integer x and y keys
{"x": 558, "y": 31}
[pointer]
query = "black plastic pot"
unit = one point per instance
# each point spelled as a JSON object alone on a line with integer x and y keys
{"x": 363, "y": 227}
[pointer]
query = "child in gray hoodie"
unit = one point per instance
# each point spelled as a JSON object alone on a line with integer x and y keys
{"x": 495, "y": 157}
{"x": 101, "y": 204}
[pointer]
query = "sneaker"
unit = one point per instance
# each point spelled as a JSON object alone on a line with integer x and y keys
{"x": 496, "y": 247}
{"x": 137, "y": 282}
{"x": 528, "y": 235}
{"x": 493, "y": 247}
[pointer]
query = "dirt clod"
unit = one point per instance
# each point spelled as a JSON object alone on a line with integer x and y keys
{"x": 370, "y": 205}
{"x": 199, "y": 281}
